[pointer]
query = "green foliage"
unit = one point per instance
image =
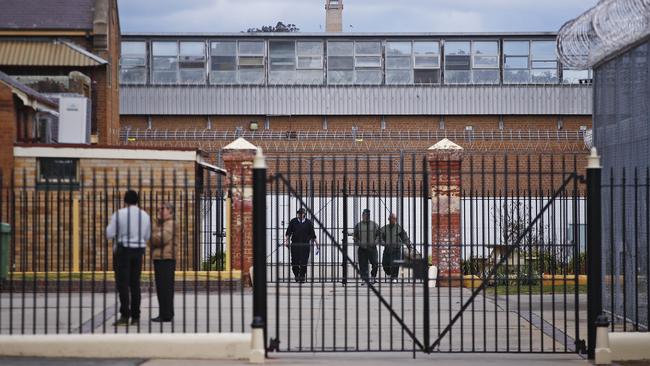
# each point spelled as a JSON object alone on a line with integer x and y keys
{"x": 582, "y": 264}
{"x": 217, "y": 262}
{"x": 280, "y": 27}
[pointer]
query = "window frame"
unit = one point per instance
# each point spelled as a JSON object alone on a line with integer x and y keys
{"x": 438, "y": 56}
{"x": 145, "y": 57}
{"x": 205, "y": 62}
{"x": 153, "y": 64}
{"x": 66, "y": 183}
{"x": 388, "y": 68}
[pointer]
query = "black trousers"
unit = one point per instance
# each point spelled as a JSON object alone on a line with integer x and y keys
{"x": 388, "y": 261}
{"x": 164, "y": 275}
{"x": 366, "y": 255}
{"x": 128, "y": 267}
{"x": 299, "y": 259}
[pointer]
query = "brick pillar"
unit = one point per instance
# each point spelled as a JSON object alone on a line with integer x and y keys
{"x": 7, "y": 132}
{"x": 238, "y": 160}
{"x": 445, "y": 160}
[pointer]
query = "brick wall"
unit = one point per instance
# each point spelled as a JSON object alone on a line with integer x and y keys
{"x": 7, "y": 132}
{"x": 44, "y": 216}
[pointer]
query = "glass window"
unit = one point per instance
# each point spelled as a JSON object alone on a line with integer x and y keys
{"x": 133, "y": 63}
{"x": 485, "y": 62}
{"x": 310, "y": 62}
{"x": 543, "y": 62}
{"x": 457, "y": 63}
{"x": 165, "y": 62}
{"x": 192, "y": 62}
{"x": 576, "y": 76}
{"x": 426, "y": 62}
{"x": 340, "y": 62}
{"x": 223, "y": 62}
{"x": 251, "y": 62}
{"x": 516, "y": 62}
{"x": 367, "y": 62}
{"x": 58, "y": 171}
{"x": 282, "y": 59}
{"x": 399, "y": 68}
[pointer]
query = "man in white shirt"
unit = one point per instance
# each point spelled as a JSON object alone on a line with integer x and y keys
{"x": 130, "y": 229}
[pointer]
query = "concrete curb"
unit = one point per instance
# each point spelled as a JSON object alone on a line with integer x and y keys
{"x": 213, "y": 346}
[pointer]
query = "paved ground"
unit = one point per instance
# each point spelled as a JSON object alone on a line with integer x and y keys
{"x": 360, "y": 359}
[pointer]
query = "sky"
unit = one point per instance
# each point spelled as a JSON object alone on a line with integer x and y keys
{"x": 214, "y": 16}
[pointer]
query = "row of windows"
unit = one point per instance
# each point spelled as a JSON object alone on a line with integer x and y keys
{"x": 367, "y": 62}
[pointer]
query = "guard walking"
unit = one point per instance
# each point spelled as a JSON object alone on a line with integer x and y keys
{"x": 366, "y": 234}
{"x": 301, "y": 235}
{"x": 394, "y": 239}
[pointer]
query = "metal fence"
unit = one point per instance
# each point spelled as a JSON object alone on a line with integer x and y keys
{"x": 506, "y": 233}
{"x": 62, "y": 269}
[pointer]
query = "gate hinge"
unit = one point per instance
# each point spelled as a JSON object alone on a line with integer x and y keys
{"x": 274, "y": 345}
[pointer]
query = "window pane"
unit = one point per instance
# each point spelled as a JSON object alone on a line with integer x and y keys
{"x": 134, "y": 48}
{"x": 193, "y": 49}
{"x": 310, "y": 62}
{"x": 223, "y": 77}
{"x": 430, "y": 76}
{"x": 544, "y": 64}
{"x": 486, "y": 48}
{"x": 457, "y": 62}
{"x": 340, "y": 48}
{"x": 224, "y": 63}
{"x": 251, "y": 76}
{"x": 398, "y": 62}
{"x": 398, "y": 48}
{"x": 340, "y": 63}
{"x": 192, "y": 76}
{"x": 456, "y": 48}
{"x": 457, "y": 77}
{"x": 165, "y": 69}
{"x": 223, "y": 49}
{"x": 543, "y": 50}
{"x": 127, "y": 61}
{"x": 544, "y": 76}
{"x": 57, "y": 169}
{"x": 427, "y": 61}
{"x": 251, "y": 48}
{"x": 133, "y": 75}
{"x": 394, "y": 77}
{"x": 310, "y": 48}
{"x": 246, "y": 62}
{"x": 367, "y": 48}
{"x": 368, "y": 61}
{"x": 426, "y": 48}
{"x": 516, "y": 62}
{"x": 516, "y": 76}
{"x": 486, "y": 61}
{"x": 309, "y": 76}
{"x": 283, "y": 55}
{"x": 165, "y": 48}
{"x": 516, "y": 47}
{"x": 340, "y": 77}
{"x": 368, "y": 77}
{"x": 576, "y": 76}
{"x": 485, "y": 76}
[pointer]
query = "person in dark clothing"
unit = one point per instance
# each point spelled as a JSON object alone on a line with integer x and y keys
{"x": 394, "y": 239}
{"x": 365, "y": 236}
{"x": 301, "y": 235}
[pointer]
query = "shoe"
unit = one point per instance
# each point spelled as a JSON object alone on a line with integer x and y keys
{"x": 160, "y": 320}
{"x": 135, "y": 321}
{"x": 394, "y": 280}
{"x": 374, "y": 280}
{"x": 121, "y": 321}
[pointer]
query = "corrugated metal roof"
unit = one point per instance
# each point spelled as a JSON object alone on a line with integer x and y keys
{"x": 28, "y": 92}
{"x": 357, "y": 100}
{"x": 54, "y": 53}
{"x": 47, "y": 14}
{"x": 551, "y": 34}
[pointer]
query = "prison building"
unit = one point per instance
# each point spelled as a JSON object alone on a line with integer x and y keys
{"x": 320, "y": 94}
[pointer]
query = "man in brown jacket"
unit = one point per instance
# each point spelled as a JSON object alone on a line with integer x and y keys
{"x": 163, "y": 248}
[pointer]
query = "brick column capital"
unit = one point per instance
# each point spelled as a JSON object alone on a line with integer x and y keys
{"x": 445, "y": 150}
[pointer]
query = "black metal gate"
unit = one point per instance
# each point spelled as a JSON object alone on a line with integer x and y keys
{"x": 513, "y": 228}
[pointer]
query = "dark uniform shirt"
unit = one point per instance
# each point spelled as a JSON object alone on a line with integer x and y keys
{"x": 300, "y": 232}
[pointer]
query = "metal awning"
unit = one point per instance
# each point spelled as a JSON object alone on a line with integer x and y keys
{"x": 212, "y": 168}
{"x": 46, "y": 53}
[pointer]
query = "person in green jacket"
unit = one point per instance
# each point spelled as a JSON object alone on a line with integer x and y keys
{"x": 366, "y": 233}
{"x": 394, "y": 238}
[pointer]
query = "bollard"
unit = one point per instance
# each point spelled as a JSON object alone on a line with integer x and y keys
{"x": 602, "y": 353}
{"x": 257, "y": 354}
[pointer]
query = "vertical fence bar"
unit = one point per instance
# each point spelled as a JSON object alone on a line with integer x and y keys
{"x": 594, "y": 230}
{"x": 259, "y": 244}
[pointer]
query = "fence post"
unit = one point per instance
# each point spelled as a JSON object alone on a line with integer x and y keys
{"x": 344, "y": 238}
{"x": 594, "y": 249}
{"x": 259, "y": 254}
